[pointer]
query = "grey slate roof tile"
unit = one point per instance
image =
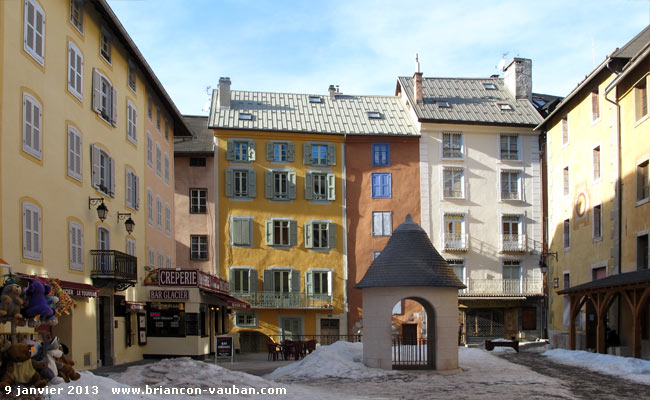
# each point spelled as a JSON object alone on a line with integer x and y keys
{"x": 626, "y": 278}
{"x": 203, "y": 141}
{"x": 409, "y": 259}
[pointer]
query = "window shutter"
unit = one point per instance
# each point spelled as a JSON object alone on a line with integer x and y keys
{"x": 129, "y": 188}
{"x": 309, "y": 235}
{"x": 114, "y": 107}
{"x": 307, "y": 154}
{"x": 94, "y": 163}
{"x": 27, "y": 231}
{"x": 268, "y": 280}
{"x": 291, "y": 182}
{"x": 268, "y": 185}
{"x": 309, "y": 286}
{"x": 331, "y": 154}
{"x": 73, "y": 243}
{"x": 252, "y": 184}
{"x": 252, "y": 280}
{"x": 236, "y": 231}
{"x": 230, "y": 151}
{"x": 388, "y": 223}
{"x": 111, "y": 161}
{"x": 331, "y": 235}
{"x": 331, "y": 187}
{"x": 251, "y": 151}
{"x": 269, "y": 236}
{"x": 229, "y": 179}
{"x": 96, "y": 91}
{"x": 269, "y": 151}
{"x": 291, "y": 151}
{"x": 36, "y": 232}
{"x": 231, "y": 280}
{"x": 295, "y": 281}
{"x": 136, "y": 188}
{"x": 293, "y": 233}
{"x": 309, "y": 186}
{"x": 245, "y": 231}
{"x": 329, "y": 283}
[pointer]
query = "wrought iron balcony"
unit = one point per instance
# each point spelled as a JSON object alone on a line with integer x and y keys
{"x": 501, "y": 287}
{"x": 513, "y": 243}
{"x": 455, "y": 242}
{"x": 285, "y": 300}
{"x": 111, "y": 267}
{"x": 509, "y": 195}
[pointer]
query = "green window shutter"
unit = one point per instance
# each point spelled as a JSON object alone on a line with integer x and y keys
{"x": 269, "y": 151}
{"x": 291, "y": 182}
{"x": 331, "y": 187}
{"x": 331, "y": 154}
{"x": 252, "y": 184}
{"x": 309, "y": 285}
{"x": 251, "y": 151}
{"x": 269, "y": 233}
{"x": 231, "y": 280}
{"x": 245, "y": 231}
{"x": 309, "y": 186}
{"x": 252, "y": 280}
{"x": 236, "y": 231}
{"x": 230, "y": 151}
{"x": 229, "y": 179}
{"x": 309, "y": 235}
{"x": 268, "y": 280}
{"x": 268, "y": 185}
{"x": 295, "y": 281}
{"x": 293, "y": 233}
{"x": 307, "y": 154}
{"x": 291, "y": 152}
{"x": 331, "y": 235}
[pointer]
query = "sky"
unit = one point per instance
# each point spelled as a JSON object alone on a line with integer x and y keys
{"x": 364, "y": 45}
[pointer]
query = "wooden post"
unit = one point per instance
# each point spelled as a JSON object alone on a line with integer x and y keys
{"x": 600, "y": 332}
{"x": 572, "y": 323}
{"x": 636, "y": 335}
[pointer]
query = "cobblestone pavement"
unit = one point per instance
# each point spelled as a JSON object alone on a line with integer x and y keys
{"x": 583, "y": 383}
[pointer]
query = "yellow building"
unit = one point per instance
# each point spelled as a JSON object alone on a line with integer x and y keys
{"x": 73, "y": 96}
{"x": 594, "y": 139}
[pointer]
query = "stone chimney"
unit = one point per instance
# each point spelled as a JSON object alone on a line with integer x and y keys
{"x": 224, "y": 92}
{"x": 518, "y": 77}
{"x": 417, "y": 81}
{"x": 332, "y": 92}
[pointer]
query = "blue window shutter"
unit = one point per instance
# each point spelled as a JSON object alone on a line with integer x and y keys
{"x": 374, "y": 185}
{"x": 389, "y": 189}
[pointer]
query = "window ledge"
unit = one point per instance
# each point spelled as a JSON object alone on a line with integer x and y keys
{"x": 323, "y": 202}
{"x": 642, "y": 120}
{"x": 597, "y": 181}
{"x": 566, "y": 249}
{"x": 595, "y": 121}
{"x": 518, "y": 161}
{"x": 319, "y": 250}
{"x": 240, "y": 199}
{"x": 597, "y": 239}
{"x": 453, "y": 159}
{"x": 281, "y": 200}
{"x": 642, "y": 201}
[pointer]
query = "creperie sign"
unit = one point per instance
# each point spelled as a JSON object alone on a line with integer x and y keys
{"x": 193, "y": 278}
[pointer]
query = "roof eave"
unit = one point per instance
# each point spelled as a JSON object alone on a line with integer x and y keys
{"x": 460, "y": 122}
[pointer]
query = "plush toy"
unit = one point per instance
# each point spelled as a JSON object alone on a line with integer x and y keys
{"x": 65, "y": 366}
{"x": 48, "y": 351}
{"x": 37, "y": 303}
{"x": 21, "y": 368}
{"x": 11, "y": 302}
{"x": 65, "y": 301}
{"x": 53, "y": 303}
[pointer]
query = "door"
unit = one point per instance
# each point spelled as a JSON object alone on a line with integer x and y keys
{"x": 103, "y": 243}
{"x": 329, "y": 331}
{"x": 511, "y": 323}
{"x": 291, "y": 328}
{"x": 592, "y": 325}
{"x": 409, "y": 334}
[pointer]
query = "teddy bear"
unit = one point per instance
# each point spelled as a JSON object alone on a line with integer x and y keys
{"x": 65, "y": 366}
{"x": 21, "y": 368}
{"x": 11, "y": 302}
{"x": 66, "y": 303}
{"x": 48, "y": 351}
{"x": 37, "y": 303}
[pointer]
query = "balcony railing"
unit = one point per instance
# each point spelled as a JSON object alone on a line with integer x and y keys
{"x": 455, "y": 242}
{"x": 513, "y": 242}
{"x": 285, "y": 300}
{"x": 509, "y": 195}
{"x": 114, "y": 265}
{"x": 502, "y": 287}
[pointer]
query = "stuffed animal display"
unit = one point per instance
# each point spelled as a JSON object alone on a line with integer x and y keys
{"x": 48, "y": 352}
{"x": 11, "y": 302}
{"x": 21, "y": 368}
{"x": 66, "y": 303}
{"x": 65, "y": 366}
{"x": 37, "y": 305}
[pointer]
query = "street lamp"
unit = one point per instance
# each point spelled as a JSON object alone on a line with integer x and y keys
{"x": 102, "y": 211}
{"x": 129, "y": 224}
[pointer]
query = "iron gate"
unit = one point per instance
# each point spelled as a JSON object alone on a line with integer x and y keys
{"x": 484, "y": 323}
{"x": 411, "y": 353}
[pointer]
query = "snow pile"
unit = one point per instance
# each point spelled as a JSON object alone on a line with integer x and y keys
{"x": 633, "y": 369}
{"x": 338, "y": 360}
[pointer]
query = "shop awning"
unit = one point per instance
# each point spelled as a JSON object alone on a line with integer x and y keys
{"x": 3, "y": 263}
{"x": 74, "y": 289}
{"x": 232, "y": 301}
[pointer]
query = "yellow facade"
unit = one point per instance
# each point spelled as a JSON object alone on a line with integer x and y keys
{"x": 43, "y": 179}
{"x": 260, "y": 256}
{"x": 582, "y": 170}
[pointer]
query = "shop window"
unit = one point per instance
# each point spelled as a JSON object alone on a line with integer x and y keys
{"x": 166, "y": 319}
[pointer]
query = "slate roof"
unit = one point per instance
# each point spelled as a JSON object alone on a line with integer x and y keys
{"x": 634, "y": 46}
{"x": 290, "y": 112}
{"x": 203, "y": 140}
{"x": 470, "y": 102}
{"x": 409, "y": 259}
{"x": 627, "y": 278}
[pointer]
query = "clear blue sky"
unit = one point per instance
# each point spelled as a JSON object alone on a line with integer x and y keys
{"x": 363, "y": 46}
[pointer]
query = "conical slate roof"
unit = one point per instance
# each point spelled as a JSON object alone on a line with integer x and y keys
{"x": 409, "y": 259}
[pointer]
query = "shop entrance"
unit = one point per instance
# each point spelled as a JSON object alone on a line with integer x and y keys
{"x": 329, "y": 331}
{"x": 105, "y": 305}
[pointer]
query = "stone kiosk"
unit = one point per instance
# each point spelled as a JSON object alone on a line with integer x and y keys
{"x": 410, "y": 268}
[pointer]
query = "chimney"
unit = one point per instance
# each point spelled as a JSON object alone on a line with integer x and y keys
{"x": 518, "y": 77}
{"x": 332, "y": 92}
{"x": 224, "y": 92}
{"x": 417, "y": 81}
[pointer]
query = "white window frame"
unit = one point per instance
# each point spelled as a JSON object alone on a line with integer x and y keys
{"x": 248, "y": 219}
{"x": 511, "y": 263}
{"x": 75, "y": 154}
{"x": 641, "y": 101}
{"x": 461, "y": 149}
{"x": 642, "y": 185}
{"x": 564, "y": 130}
{"x": 80, "y": 13}
{"x": 518, "y": 184}
{"x": 245, "y": 314}
{"x": 132, "y": 189}
{"x": 131, "y": 122}
{"x": 131, "y": 247}
{"x": 151, "y": 257}
{"x": 508, "y": 145}
{"x": 103, "y": 171}
{"x": 595, "y": 178}
{"x": 32, "y": 234}
{"x": 566, "y": 183}
{"x": 453, "y": 180}
{"x": 159, "y": 213}
{"x": 310, "y": 282}
{"x": 323, "y": 228}
{"x": 234, "y": 271}
{"x": 198, "y": 201}
{"x": 161, "y": 260}
{"x": 595, "y": 106}
{"x": 75, "y": 251}
{"x": 104, "y": 102}
{"x": 168, "y": 219}
{"x": 597, "y": 236}
{"x": 32, "y": 128}
{"x": 520, "y": 240}
{"x": 566, "y": 234}
{"x": 75, "y": 70}
{"x": 168, "y": 262}
{"x": 149, "y": 150}
{"x": 106, "y": 45}
{"x": 456, "y": 262}
{"x": 201, "y": 247}
{"x": 131, "y": 73}
{"x": 452, "y": 235}
{"x": 385, "y": 227}
{"x": 150, "y": 206}
{"x": 37, "y": 52}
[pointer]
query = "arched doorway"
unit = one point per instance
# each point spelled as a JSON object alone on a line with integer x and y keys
{"x": 253, "y": 341}
{"x": 412, "y": 334}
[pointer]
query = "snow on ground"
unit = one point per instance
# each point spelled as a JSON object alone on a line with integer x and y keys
{"x": 633, "y": 369}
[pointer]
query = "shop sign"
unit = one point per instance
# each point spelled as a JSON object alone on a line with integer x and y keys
{"x": 225, "y": 348}
{"x": 80, "y": 292}
{"x": 169, "y": 294}
{"x": 192, "y": 278}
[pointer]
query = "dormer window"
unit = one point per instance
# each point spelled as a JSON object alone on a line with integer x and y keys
{"x": 444, "y": 104}
{"x": 489, "y": 86}
{"x": 374, "y": 115}
{"x": 315, "y": 99}
{"x": 505, "y": 107}
{"x": 246, "y": 117}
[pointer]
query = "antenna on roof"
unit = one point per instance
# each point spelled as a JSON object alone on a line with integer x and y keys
{"x": 417, "y": 63}
{"x": 502, "y": 62}
{"x": 206, "y": 106}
